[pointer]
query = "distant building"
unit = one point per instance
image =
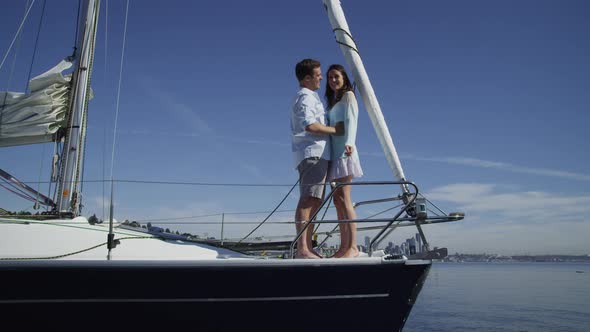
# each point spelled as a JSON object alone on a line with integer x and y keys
{"x": 389, "y": 248}
{"x": 412, "y": 246}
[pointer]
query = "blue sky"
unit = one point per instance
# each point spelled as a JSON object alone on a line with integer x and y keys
{"x": 487, "y": 103}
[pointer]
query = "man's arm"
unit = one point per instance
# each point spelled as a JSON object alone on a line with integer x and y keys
{"x": 319, "y": 129}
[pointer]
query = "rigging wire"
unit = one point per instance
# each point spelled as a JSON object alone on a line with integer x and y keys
{"x": 179, "y": 218}
{"x": 335, "y": 229}
{"x": 36, "y": 206}
{"x": 270, "y": 214}
{"x": 117, "y": 103}
{"x": 79, "y": 251}
{"x": 225, "y": 222}
{"x": 22, "y": 195}
{"x": 258, "y": 212}
{"x": 35, "y": 45}
{"x": 15, "y": 57}
{"x": 440, "y": 211}
{"x": 17, "y": 34}
{"x": 111, "y": 235}
{"x": 194, "y": 184}
{"x": 275, "y": 209}
{"x": 77, "y": 30}
{"x": 204, "y": 183}
{"x": 11, "y": 184}
{"x": 219, "y": 184}
{"x": 106, "y": 35}
{"x": 104, "y": 135}
{"x": 197, "y": 184}
{"x": 212, "y": 215}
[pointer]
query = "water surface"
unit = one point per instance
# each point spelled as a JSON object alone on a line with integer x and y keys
{"x": 504, "y": 297}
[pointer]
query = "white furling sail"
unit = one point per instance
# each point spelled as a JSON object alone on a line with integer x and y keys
{"x": 35, "y": 117}
{"x": 350, "y": 51}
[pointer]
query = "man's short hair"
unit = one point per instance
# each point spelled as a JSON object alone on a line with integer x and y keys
{"x": 305, "y": 67}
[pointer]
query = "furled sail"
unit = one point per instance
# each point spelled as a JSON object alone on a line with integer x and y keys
{"x": 353, "y": 58}
{"x": 35, "y": 117}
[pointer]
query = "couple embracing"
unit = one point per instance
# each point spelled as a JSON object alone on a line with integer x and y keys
{"x": 323, "y": 144}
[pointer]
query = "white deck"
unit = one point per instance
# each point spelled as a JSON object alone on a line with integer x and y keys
{"x": 50, "y": 240}
{"x": 29, "y": 239}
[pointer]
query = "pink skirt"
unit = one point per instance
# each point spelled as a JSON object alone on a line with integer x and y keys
{"x": 347, "y": 166}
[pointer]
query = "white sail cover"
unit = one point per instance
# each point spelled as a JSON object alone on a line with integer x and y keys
{"x": 350, "y": 51}
{"x": 35, "y": 117}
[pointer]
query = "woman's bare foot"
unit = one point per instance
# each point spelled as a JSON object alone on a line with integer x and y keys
{"x": 338, "y": 253}
{"x": 317, "y": 254}
{"x": 307, "y": 255}
{"x": 350, "y": 253}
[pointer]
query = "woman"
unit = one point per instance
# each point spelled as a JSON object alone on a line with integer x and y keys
{"x": 342, "y": 107}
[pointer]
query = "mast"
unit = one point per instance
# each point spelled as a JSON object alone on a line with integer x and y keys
{"x": 353, "y": 58}
{"x": 69, "y": 186}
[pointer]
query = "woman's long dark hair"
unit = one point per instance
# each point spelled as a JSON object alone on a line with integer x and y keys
{"x": 333, "y": 97}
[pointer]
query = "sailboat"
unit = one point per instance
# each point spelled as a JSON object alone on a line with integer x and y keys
{"x": 59, "y": 270}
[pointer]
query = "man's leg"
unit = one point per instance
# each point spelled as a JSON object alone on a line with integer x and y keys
{"x": 306, "y": 206}
{"x": 312, "y": 176}
{"x": 317, "y": 203}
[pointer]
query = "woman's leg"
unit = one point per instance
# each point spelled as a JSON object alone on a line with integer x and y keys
{"x": 345, "y": 211}
{"x": 340, "y": 213}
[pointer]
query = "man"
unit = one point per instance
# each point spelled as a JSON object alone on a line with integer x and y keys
{"x": 311, "y": 149}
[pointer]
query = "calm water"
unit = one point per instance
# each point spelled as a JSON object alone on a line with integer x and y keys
{"x": 503, "y": 297}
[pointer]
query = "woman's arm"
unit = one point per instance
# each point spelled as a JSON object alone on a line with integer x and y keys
{"x": 350, "y": 118}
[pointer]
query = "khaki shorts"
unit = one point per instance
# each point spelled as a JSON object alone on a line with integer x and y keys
{"x": 312, "y": 177}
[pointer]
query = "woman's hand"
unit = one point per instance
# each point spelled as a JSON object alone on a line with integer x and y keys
{"x": 348, "y": 150}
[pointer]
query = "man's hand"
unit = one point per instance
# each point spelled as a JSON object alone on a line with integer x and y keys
{"x": 339, "y": 129}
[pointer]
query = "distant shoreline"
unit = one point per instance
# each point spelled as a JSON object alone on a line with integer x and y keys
{"x": 493, "y": 258}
